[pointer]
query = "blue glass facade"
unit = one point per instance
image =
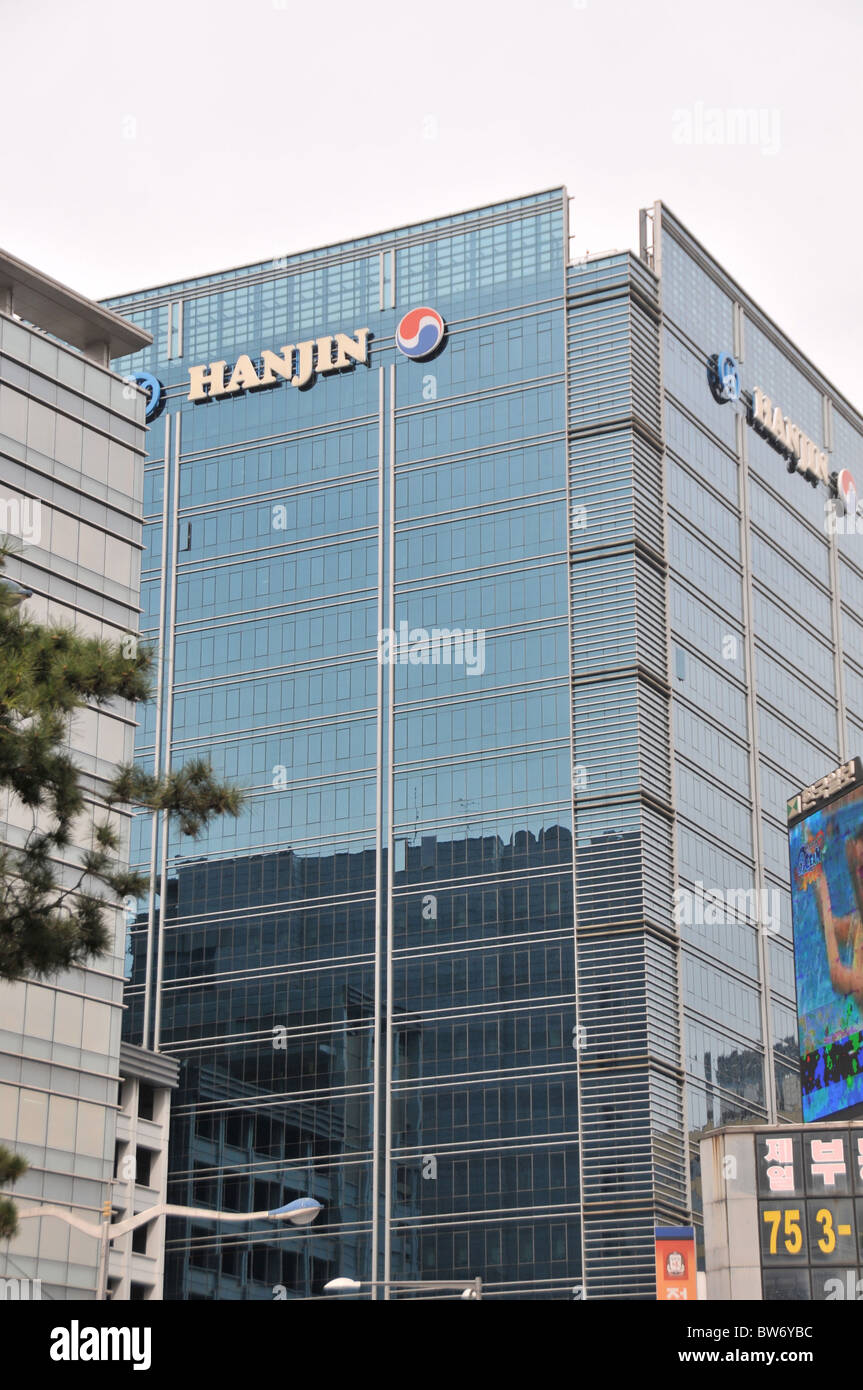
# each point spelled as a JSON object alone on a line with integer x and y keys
{"x": 434, "y": 975}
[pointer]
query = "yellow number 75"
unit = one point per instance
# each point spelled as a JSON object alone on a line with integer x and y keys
{"x": 793, "y": 1235}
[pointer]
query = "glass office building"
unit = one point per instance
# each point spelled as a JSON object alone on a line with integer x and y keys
{"x": 504, "y": 923}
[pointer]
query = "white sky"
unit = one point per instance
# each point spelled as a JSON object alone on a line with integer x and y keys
{"x": 147, "y": 142}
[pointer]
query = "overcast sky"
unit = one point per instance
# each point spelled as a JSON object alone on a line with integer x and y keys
{"x": 144, "y": 143}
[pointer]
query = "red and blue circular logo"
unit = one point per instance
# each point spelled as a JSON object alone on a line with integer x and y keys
{"x": 847, "y": 490}
{"x": 420, "y": 333}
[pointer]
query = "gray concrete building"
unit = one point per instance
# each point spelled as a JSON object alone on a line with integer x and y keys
{"x": 72, "y": 443}
{"x": 137, "y": 1260}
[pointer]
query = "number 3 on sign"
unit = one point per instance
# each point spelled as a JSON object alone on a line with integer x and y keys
{"x": 827, "y": 1242}
{"x": 793, "y": 1235}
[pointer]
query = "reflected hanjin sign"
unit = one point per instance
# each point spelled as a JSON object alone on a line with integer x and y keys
{"x": 801, "y": 454}
{"x": 788, "y": 439}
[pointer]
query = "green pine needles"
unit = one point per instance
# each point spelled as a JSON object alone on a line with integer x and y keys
{"x": 57, "y": 814}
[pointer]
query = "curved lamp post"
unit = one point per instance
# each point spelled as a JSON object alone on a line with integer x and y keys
{"x": 18, "y": 591}
{"x": 300, "y": 1212}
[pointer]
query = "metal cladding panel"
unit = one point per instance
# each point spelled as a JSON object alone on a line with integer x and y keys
{"x": 669, "y": 1143}
{"x": 644, "y": 327}
{"x": 613, "y": 988}
{"x": 631, "y": 1095}
{"x": 605, "y": 728}
{"x": 647, "y": 500}
{"x": 663, "y": 1018}
{"x": 653, "y": 743}
{"x": 620, "y": 727}
{"x": 609, "y": 876}
{"x": 621, "y": 1257}
{"x": 605, "y": 488}
{"x": 599, "y": 363}
{"x": 616, "y": 1149}
{"x": 603, "y": 609}
{"x": 651, "y": 618}
{"x": 658, "y": 832}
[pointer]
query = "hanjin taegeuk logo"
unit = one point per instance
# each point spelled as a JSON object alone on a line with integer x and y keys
{"x": 420, "y": 333}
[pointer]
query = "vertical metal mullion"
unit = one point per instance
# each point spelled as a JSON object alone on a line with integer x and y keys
{"x": 838, "y": 650}
{"x": 836, "y": 602}
{"x": 754, "y": 777}
{"x": 169, "y": 730}
{"x": 738, "y": 324}
{"x": 388, "y": 1099}
{"x": 379, "y": 830}
{"x": 169, "y": 353}
{"x": 157, "y": 751}
{"x": 570, "y": 580}
{"x": 656, "y": 258}
{"x": 179, "y": 352}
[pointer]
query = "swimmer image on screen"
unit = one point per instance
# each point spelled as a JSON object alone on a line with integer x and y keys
{"x": 847, "y": 930}
{"x": 826, "y": 851}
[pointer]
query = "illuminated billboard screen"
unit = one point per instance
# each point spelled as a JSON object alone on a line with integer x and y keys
{"x": 826, "y": 847}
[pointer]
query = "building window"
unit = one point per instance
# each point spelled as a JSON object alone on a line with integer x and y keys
{"x": 206, "y": 1126}
{"x": 140, "y": 1238}
{"x": 202, "y": 1256}
{"x": 143, "y": 1165}
{"x": 206, "y": 1187}
{"x": 232, "y": 1260}
{"x": 236, "y": 1194}
{"x": 236, "y": 1131}
{"x": 146, "y": 1102}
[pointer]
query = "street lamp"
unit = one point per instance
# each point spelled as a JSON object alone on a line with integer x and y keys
{"x": 18, "y": 592}
{"x": 470, "y": 1288}
{"x": 300, "y": 1212}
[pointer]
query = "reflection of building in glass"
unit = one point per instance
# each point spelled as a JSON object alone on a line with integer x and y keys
{"x": 268, "y": 1015}
{"x": 484, "y": 1087}
{"x": 455, "y": 888}
{"x": 281, "y": 1110}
